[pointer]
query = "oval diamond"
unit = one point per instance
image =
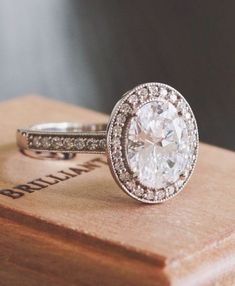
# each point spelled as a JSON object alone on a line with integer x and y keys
{"x": 157, "y": 145}
{"x": 153, "y": 152}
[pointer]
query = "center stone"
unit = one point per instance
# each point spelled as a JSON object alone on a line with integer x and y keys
{"x": 157, "y": 144}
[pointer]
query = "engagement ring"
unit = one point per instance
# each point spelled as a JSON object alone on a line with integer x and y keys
{"x": 151, "y": 142}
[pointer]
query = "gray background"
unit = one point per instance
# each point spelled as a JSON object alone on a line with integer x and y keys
{"x": 90, "y": 52}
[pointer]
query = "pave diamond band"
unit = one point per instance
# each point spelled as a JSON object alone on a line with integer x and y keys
{"x": 151, "y": 142}
{"x": 63, "y": 137}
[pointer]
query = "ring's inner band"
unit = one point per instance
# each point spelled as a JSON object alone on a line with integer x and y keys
{"x": 68, "y": 127}
{"x": 65, "y": 137}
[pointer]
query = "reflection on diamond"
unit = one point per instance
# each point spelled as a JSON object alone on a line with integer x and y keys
{"x": 158, "y": 144}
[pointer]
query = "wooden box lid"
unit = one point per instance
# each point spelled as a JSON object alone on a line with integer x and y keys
{"x": 84, "y": 230}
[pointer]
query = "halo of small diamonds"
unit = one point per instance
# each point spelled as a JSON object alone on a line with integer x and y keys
{"x": 124, "y": 111}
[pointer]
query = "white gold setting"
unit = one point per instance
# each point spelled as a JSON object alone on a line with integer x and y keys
{"x": 63, "y": 137}
{"x": 151, "y": 142}
{"x": 179, "y": 116}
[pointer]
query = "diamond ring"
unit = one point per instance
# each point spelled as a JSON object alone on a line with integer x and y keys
{"x": 151, "y": 141}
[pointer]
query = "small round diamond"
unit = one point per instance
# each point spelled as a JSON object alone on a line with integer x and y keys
{"x": 173, "y": 97}
{"x": 191, "y": 124}
{"x": 149, "y": 195}
{"x": 124, "y": 176}
{"x": 56, "y": 143}
{"x": 153, "y": 90}
{"x": 143, "y": 93}
{"x": 187, "y": 115}
{"x": 119, "y": 166}
{"x": 117, "y": 130}
{"x": 117, "y": 153}
{"x": 138, "y": 191}
{"x": 161, "y": 195}
{"x": 170, "y": 190}
{"x": 37, "y": 141}
{"x": 91, "y": 144}
{"x": 46, "y": 142}
{"x": 102, "y": 144}
{"x": 179, "y": 183}
{"x": 181, "y": 106}
{"x": 68, "y": 143}
{"x": 130, "y": 185}
{"x": 133, "y": 100}
{"x": 79, "y": 143}
{"x": 163, "y": 91}
{"x": 121, "y": 118}
{"x": 125, "y": 108}
{"x": 116, "y": 142}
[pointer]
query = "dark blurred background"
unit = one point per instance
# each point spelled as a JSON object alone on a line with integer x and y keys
{"x": 89, "y": 52}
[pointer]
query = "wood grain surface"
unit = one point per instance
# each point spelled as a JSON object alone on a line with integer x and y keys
{"x": 86, "y": 231}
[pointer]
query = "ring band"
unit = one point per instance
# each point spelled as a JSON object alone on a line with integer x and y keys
{"x": 63, "y": 137}
{"x": 151, "y": 141}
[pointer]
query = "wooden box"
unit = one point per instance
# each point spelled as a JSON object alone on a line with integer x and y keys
{"x": 78, "y": 228}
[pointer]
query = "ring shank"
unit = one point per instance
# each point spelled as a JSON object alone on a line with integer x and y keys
{"x": 68, "y": 127}
{"x": 63, "y": 137}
